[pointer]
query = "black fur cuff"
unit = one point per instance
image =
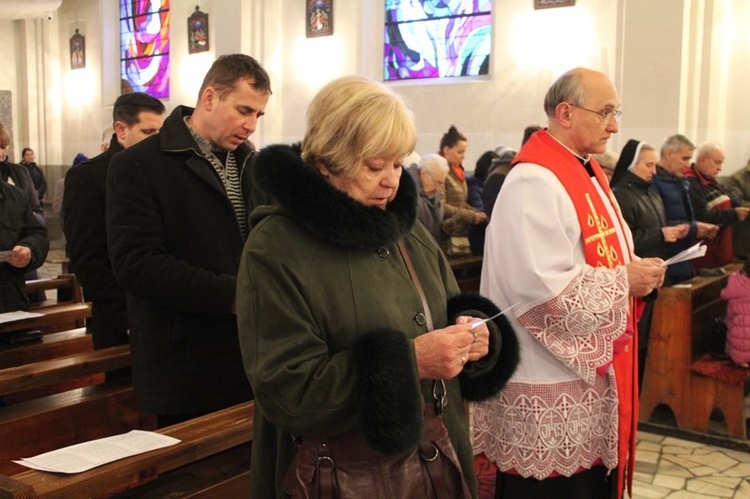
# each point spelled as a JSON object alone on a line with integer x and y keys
{"x": 390, "y": 400}
{"x": 503, "y": 350}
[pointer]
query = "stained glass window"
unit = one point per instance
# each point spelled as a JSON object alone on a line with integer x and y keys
{"x": 437, "y": 38}
{"x": 144, "y": 46}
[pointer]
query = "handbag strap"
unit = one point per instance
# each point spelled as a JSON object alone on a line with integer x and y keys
{"x": 415, "y": 278}
{"x": 439, "y": 392}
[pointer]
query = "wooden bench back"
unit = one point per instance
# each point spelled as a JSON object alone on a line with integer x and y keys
{"x": 201, "y": 438}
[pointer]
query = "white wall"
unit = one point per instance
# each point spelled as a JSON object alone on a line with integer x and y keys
{"x": 680, "y": 66}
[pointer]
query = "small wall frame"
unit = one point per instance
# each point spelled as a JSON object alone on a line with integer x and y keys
{"x": 77, "y": 51}
{"x": 319, "y": 18}
{"x": 548, "y": 4}
{"x": 197, "y": 31}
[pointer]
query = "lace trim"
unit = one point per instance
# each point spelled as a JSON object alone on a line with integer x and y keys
{"x": 580, "y": 325}
{"x": 538, "y": 430}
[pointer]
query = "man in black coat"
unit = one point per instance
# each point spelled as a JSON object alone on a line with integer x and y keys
{"x": 135, "y": 117}
{"x": 177, "y": 208}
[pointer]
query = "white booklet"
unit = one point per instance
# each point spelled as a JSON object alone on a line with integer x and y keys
{"x": 87, "y": 455}
{"x": 695, "y": 251}
{"x": 17, "y": 316}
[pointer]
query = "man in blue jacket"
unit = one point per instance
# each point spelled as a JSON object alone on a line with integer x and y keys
{"x": 670, "y": 184}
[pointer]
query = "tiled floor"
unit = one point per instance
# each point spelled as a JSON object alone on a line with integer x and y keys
{"x": 672, "y": 468}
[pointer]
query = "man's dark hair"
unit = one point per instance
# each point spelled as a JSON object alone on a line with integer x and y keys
{"x": 129, "y": 106}
{"x": 228, "y": 69}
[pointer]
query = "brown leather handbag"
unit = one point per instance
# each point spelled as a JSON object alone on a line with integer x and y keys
{"x": 348, "y": 467}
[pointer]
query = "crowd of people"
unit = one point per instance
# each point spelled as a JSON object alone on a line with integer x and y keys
{"x": 315, "y": 279}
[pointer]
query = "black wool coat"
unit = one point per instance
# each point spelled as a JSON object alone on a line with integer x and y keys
{"x": 175, "y": 246}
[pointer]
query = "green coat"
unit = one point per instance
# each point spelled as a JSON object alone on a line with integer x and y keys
{"x": 325, "y": 305}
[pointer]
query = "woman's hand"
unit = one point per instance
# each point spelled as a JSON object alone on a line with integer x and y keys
{"x": 442, "y": 353}
{"x": 20, "y": 257}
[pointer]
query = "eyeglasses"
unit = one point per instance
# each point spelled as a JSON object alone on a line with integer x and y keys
{"x": 606, "y": 116}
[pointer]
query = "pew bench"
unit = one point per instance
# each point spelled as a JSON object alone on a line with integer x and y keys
{"x": 58, "y": 402}
{"x": 214, "y": 441}
{"x": 50, "y": 346}
{"x": 681, "y": 329}
{"x": 36, "y": 379}
{"x": 66, "y": 288}
{"x": 53, "y": 319}
{"x": 468, "y": 271}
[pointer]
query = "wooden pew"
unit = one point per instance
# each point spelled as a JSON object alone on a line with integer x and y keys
{"x": 53, "y": 319}
{"x": 66, "y": 287}
{"x": 683, "y": 320}
{"x": 45, "y": 413}
{"x": 36, "y": 379}
{"x": 216, "y": 441}
{"x": 468, "y": 270}
{"x": 50, "y": 346}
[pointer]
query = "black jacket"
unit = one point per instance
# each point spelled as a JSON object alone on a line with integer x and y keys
{"x": 643, "y": 211}
{"x": 85, "y": 227}
{"x": 175, "y": 246}
{"x": 18, "y": 226}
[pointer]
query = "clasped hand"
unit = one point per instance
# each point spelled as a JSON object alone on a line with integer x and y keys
{"x": 442, "y": 353}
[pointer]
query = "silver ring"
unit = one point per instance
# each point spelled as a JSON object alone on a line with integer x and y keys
{"x": 475, "y": 336}
{"x": 463, "y": 360}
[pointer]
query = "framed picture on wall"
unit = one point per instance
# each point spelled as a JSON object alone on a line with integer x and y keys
{"x": 77, "y": 51}
{"x": 319, "y": 18}
{"x": 548, "y": 4}
{"x": 197, "y": 31}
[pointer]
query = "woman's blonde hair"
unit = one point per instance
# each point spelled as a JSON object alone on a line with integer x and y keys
{"x": 353, "y": 119}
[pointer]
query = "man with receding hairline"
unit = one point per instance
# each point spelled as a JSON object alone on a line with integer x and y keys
{"x": 559, "y": 251}
{"x": 177, "y": 206}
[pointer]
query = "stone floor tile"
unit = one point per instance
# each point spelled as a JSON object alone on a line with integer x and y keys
{"x": 674, "y": 470}
{"x": 650, "y": 468}
{"x": 669, "y": 482}
{"x": 644, "y": 477}
{"x": 645, "y": 491}
{"x": 740, "y": 471}
{"x": 683, "y": 460}
{"x": 644, "y": 456}
{"x": 701, "y": 471}
{"x": 701, "y": 486}
{"x": 683, "y": 494}
{"x": 674, "y": 449}
{"x": 682, "y": 443}
{"x": 743, "y": 491}
{"x": 644, "y": 445}
{"x": 723, "y": 481}
{"x": 742, "y": 457}
{"x": 717, "y": 460}
{"x": 650, "y": 437}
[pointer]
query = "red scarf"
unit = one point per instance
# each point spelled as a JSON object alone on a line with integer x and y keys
{"x": 458, "y": 171}
{"x": 602, "y": 248}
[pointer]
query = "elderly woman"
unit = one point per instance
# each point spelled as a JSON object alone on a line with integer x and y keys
{"x": 429, "y": 176}
{"x": 335, "y": 318}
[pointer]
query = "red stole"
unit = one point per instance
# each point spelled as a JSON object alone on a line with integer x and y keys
{"x": 602, "y": 248}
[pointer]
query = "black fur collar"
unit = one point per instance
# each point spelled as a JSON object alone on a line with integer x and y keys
{"x": 305, "y": 195}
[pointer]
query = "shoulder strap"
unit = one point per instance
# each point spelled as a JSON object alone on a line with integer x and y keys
{"x": 415, "y": 278}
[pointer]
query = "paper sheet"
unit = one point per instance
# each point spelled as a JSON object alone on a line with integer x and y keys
{"x": 695, "y": 251}
{"x": 87, "y": 455}
{"x": 17, "y": 316}
{"x": 502, "y": 312}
